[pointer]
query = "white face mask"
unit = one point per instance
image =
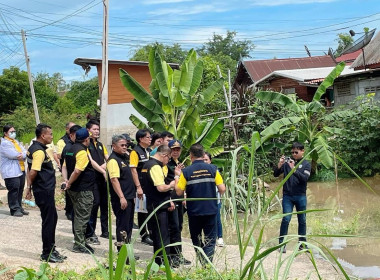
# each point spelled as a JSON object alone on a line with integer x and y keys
{"x": 12, "y": 135}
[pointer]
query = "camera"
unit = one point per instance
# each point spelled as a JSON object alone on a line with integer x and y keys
{"x": 288, "y": 159}
{"x": 63, "y": 186}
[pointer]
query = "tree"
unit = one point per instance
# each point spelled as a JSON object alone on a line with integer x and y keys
{"x": 84, "y": 95}
{"x": 228, "y": 45}
{"x": 171, "y": 54}
{"x": 344, "y": 40}
{"x": 14, "y": 89}
{"x": 306, "y": 121}
{"x": 46, "y": 90}
{"x": 175, "y": 102}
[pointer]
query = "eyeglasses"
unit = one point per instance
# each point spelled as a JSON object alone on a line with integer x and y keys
{"x": 296, "y": 153}
{"x": 123, "y": 145}
{"x": 166, "y": 155}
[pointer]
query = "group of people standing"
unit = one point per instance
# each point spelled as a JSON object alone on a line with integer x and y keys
{"x": 149, "y": 169}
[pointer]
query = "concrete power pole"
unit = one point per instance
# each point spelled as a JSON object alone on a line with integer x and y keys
{"x": 36, "y": 115}
{"x": 104, "y": 85}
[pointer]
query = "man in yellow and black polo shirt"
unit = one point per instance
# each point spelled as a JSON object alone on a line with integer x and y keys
{"x": 138, "y": 157}
{"x": 199, "y": 181}
{"x": 41, "y": 178}
{"x": 157, "y": 192}
{"x": 123, "y": 189}
{"x": 80, "y": 186}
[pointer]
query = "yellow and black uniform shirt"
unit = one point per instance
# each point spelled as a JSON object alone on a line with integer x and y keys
{"x": 61, "y": 144}
{"x": 199, "y": 180}
{"x": 153, "y": 175}
{"x": 138, "y": 157}
{"x": 39, "y": 161}
{"x": 98, "y": 153}
{"x": 118, "y": 167}
{"x": 77, "y": 158}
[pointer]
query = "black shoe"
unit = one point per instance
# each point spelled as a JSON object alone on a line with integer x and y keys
{"x": 24, "y": 212}
{"x": 17, "y": 214}
{"x": 52, "y": 258}
{"x": 93, "y": 240}
{"x": 80, "y": 249}
{"x": 303, "y": 247}
{"x": 135, "y": 226}
{"x": 146, "y": 240}
{"x": 185, "y": 261}
{"x": 282, "y": 250}
{"x": 59, "y": 255}
{"x": 106, "y": 235}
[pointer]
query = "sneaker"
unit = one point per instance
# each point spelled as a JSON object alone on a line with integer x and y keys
{"x": 17, "y": 214}
{"x": 84, "y": 250}
{"x": 106, "y": 235}
{"x": 185, "y": 261}
{"x": 24, "y": 212}
{"x": 220, "y": 242}
{"x": 303, "y": 247}
{"x": 282, "y": 249}
{"x": 93, "y": 240}
{"x": 146, "y": 240}
{"x": 51, "y": 258}
{"x": 59, "y": 255}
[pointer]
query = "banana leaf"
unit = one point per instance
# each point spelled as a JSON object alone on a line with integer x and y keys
{"x": 315, "y": 107}
{"x": 137, "y": 122}
{"x": 197, "y": 77}
{"x": 145, "y": 112}
{"x": 209, "y": 92}
{"x": 187, "y": 71}
{"x": 215, "y": 151}
{"x": 279, "y": 98}
{"x": 142, "y": 96}
{"x": 277, "y": 125}
{"x": 329, "y": 81}
{"x": 212, "y": 134}
{"x": 324, "y": 151}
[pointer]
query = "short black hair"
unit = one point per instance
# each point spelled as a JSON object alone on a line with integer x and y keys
{"x": 155, "y": 136}
{"x": 197, "y": 150}
{"x": 7, "y": 127}
{"x": 298, "y": 146}
{"x": 209, "y": 155}
{"x": 74, "y": 128}
{"x": 141, "y": 133}
{"x": 41, "y": 128}
{"x": 68, "y": 124}
{"x": 166, "y": 134}
{"x": 91, "y": 123}
{"x": 164, "y": 149}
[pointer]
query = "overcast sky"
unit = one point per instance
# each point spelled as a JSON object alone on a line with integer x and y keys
{"x": 60, "y": 31}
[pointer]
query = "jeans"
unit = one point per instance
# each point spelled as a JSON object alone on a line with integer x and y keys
{"x": 288, "y": 203}
{"x": 15, "y": 188}
{"x": 207, "y": 224}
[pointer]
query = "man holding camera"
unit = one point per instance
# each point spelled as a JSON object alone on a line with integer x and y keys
{"x": 294, "y": 191}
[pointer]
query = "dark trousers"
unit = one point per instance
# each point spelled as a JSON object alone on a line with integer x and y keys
{"x": 68, "y": 205}
{"x": 124, "y": 220}
{"x": 82, "y": 203}
{"x": 159, "y": 225}
{"x": 175, "y": 231}
{"x": 141, "y": 217}
{"x": 288, "y": 203}
{"x": 219, "y": 233}
{"x": 15, "y": 188}
{"x": 45, "y": 201}
{"x": 100, "y": 200}
{"x": 207, "y": 225}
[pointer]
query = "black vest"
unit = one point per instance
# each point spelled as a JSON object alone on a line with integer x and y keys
{"x": 66, "y": 138}
{"x": 153, "y": 197}
{"x": 65, "y": 149}
{"x": 143, "y": 158}
{"x": 86, "y": 179}
{"x": 97, "y": 152}
{"x": 126, "y": 182}
{"x": 45, "y": 179}
{"x": 172, "y": 164}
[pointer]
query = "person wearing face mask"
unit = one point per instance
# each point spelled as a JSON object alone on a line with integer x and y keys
{"x": 12, "y": 168}
{"x": 80, "y": 186}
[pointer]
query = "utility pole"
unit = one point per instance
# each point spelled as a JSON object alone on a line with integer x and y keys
{"x": 36, "y": 115}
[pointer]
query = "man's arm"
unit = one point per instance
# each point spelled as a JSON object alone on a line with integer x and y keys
{"x": 303, "y": 173}
{"x": 219, "y": 183}
{"x": 135, "y": 177}
{"x": 279, "y": 169}
{"x": 179, "y": 183}
{"x": 157, "y": 175}
{"x": 38, "y": 158}
{"x": 97, "y": 167}
{"x": 80, "y": 165}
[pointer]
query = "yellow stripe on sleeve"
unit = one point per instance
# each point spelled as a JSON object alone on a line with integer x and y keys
{"x": 113, "y": 168}
{"x": 218, "y": 179}
{"x": 38, "y": 159}
{"x": 182, "y": 182}
{"x": 60, "y": 146}
{"x": 133, "y": 159}
{"x": 81, "y": 160}
{"x": 157, "y": 175}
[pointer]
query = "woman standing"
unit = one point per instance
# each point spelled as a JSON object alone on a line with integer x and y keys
{"x": 12, "y": 168}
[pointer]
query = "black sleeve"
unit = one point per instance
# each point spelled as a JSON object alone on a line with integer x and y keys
{"x": 303, "y": 173}
{"x": 278, "y": 171}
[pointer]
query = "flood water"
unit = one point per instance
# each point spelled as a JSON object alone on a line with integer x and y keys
{"x": 357, "y": 210}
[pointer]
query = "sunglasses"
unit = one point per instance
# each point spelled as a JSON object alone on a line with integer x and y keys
{"x": 123, "y": 145}
{"x": 295, "y": 153}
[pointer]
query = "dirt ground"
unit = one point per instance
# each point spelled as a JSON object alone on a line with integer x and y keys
{"x": 20, "y": 245}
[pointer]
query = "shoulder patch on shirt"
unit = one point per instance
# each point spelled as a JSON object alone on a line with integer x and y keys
{"x": 100, "y": 148}
{"x": 300, "y": 166}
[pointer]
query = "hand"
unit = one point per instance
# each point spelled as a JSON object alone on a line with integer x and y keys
{"x": 177, "y": 170}
{"x": 19, "y": 156}
{"x": 172, "y": 185}
{"x": 123, "y": 203}
{"x": 291, "y": 163}
{"x": 68, "y": 186}
{"x": 181, "y": 165}
{"x": 105, "y": 175}
{"x": 139, "y": 192}
{"x": 104, "y": 166}
{"x": 281, "y": 161}
{"x": 184, "y": 204}
{"x": 172, "y": 206}
{"x": 28, "y": 194}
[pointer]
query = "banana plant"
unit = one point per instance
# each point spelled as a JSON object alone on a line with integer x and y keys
{"x": 306, "y": 120}
{"x": 174, "y": 102}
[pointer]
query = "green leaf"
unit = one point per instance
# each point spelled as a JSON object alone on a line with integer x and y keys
{"x": 215, "y": 151}
{"x": 279, "y": 98}
{"x": 209, "y": 92}
{"x": 315, "y": 107}
{"x": 137, "y": 122}
{"x": 276, "y": 126}
{"x": 325, "y": 154}
{"x": 145, "y": 112}
{"x": 197, "y": 77}
{"x": 333, "y": 130}
{"x": 328, "y": 81}
{"x": 187, "y": 71}
{"x": 142, "y": 96}
{"x": 122, "y": 257}
{"x": 212, "y": 134}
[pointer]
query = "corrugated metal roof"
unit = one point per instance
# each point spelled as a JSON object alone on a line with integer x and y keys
{"x": 94, "y": 62}
{"x": 349, "y": 57}
{"x": 305, "y": 75}
{"x": 371, "y": 53}
{"x": 257, "y": 69}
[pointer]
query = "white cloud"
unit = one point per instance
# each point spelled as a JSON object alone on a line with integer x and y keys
{"x": 287, "y": 2}
{"x": 154, "y": 2}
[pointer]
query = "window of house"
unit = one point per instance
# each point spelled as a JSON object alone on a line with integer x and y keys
{"x": 374, "y": 89}
{"x": 343, "y": 88}
{"x": 289, "y": 90}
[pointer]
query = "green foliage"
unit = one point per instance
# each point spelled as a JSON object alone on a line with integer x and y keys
{"x": 344, "y": 40}
{"x": 359, "y": 142}
{"x": 84, "y": 95}
{"x": 171, "y": 54}
{"x": 64, "y": 106}
{"x": 175, "y": 102}
{"x": 46, "y": 89}
{"x": 14, "y": 89}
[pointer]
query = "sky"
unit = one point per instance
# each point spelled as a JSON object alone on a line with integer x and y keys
{"x": 60, "y": 31}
